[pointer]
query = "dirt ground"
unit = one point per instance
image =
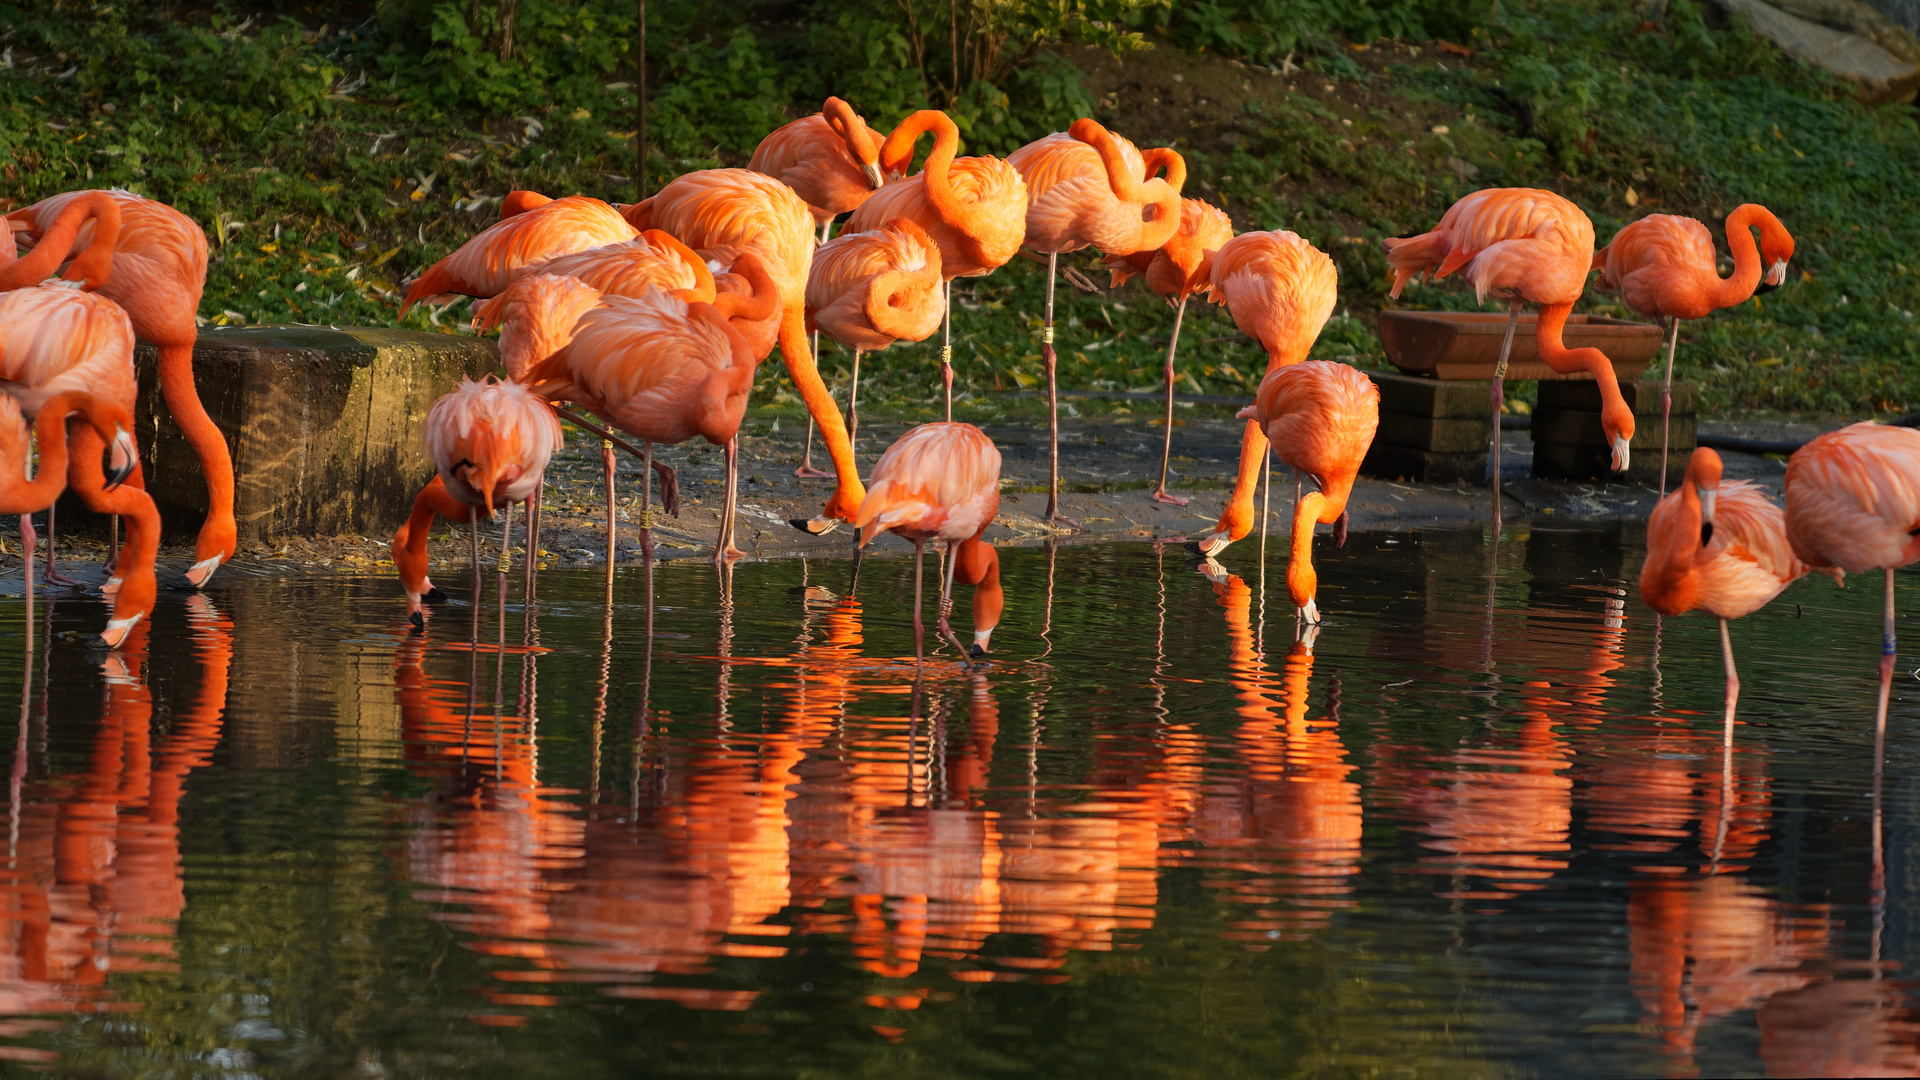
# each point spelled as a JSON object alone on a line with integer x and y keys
{"x": 1107, "y": 466}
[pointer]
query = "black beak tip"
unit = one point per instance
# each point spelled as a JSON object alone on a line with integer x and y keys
{"x": 96, "y": 643}
{"x": 977, "y": 652}
{"x": 418, "y": 621}
{"x": 1706, "y": 533}
{"x": 183, "y": 584}
{"x": 432, "y": 596}
{"x": 1763, "y": 287}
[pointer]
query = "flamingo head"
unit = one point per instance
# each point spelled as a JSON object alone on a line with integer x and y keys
{"x": 1616, "y": 420}
{"x": 1703, "y": 472}
{"x": 1776, "y": 249}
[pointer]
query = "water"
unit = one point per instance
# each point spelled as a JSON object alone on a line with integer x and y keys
{"x": 281, "y": 837}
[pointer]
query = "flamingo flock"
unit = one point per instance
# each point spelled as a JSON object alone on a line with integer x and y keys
{"x": 652, "y": 318}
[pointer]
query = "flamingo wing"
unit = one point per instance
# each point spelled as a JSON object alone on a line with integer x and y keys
{"x": 486, "y": 264}
{"x": 1853, "y": 498}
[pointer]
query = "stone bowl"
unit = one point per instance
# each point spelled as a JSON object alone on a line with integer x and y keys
{"x": 1466, "y": 344}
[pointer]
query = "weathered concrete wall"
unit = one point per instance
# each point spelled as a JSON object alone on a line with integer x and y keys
{"x": 324, "y": 426}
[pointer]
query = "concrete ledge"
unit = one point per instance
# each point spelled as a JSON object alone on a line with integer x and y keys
{"x": 323, "y": 423}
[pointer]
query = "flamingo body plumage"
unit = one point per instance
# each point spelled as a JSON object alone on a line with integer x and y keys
{"x": 975, "y": 208}
{"x": 1718, "y": 546}
{"x": 1664, "y": 265}
{"x": 871, "y": 289}
{"x": 1084, "y": 188}
{"x": 1853, "y": 498}
{"x": 830, "y": 159}
{"x": 508, "y": 249}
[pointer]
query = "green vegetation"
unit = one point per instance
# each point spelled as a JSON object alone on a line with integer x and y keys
{"x": 334, "y": 150}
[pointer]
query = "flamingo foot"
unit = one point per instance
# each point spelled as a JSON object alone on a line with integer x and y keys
{"x": 1062, "y": 521}
{"x": 1210, "y": 545}
{"x": 1161, "y": 495}
{"x": 55, "y": 577}
{"x": 806, "y": 471}
{"x": 819, "y": 526}
{"x": 727, "y": 554}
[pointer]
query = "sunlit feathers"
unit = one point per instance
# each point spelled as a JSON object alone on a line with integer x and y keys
{"x": 1665, "y": 265}
{"x": 536, "y": 316}
{"x": 652, "y": 259}
{"x": 1512, "y": 243}
{"x": 1744, "y": 564}
{"x": 938, "y": 481}
{"x": 493, "y": 258}
{"x": 491, "y": 440}
{"x": 830, "y": 159}
{"x": 1853, "y": 498}
{"x": 1178, "y": 268}
{"x": 55, "y": 338}
{"x": 975, "y": 208}
{"x": 159, "y": 261}
{"x": 1279, "y": 288}
{"x": 724, "y": 212}
{"x": 1084, "y": 188}
{"x": 870, "y": 289}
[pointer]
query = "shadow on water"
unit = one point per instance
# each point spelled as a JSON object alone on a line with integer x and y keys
{"x": 689, "y": 823}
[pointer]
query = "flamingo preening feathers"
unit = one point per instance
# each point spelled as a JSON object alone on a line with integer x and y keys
{"x": 1718, "y": 546}
{"x": 941, "y": 481}
{"x": 830, "y": 159}
{"x": 1663, "y": 266}
{"x": 1176, "y": 270}
{"x": 532, "y": 230}
{"x": 1084, "y": 188}
{"x": 1522, "y": 245}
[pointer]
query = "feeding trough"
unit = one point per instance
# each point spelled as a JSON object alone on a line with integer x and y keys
{"x": 1466, "y": 344}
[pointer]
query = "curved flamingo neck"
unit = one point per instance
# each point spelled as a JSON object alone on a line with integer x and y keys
{"x": 897, "y": 154}
{"x": 1120, "y": 179}
{"x": 519, "y": 202}
{"x": 1166, "y": 157}
{"x": 1302, "y": 581}
{"x": 1670, "y": 575}
{"x": 846, "y": 124}
{"x": 702, "y": 274}
{"x": 1738, "y": 287}
{"x": 762, "y": 305}
{"x": 56, "y": 241}
{"x": 1615, "y": 415}
{"x": 22, "y": 496}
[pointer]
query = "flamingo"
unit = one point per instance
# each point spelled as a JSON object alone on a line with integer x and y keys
{"x": 56, "y": 340}
{"x": 1176, "y": 270}
{"x": 490, "y": 441}
{"x": 1853, "y": 504}
{"x": 159, "y": 260}
{"x": 1523, "y": 245}
{"x": 1280, "y": 290}
{"x": 530, "y": 231}
{"x": 1720, "y": 547}
{"x": 1663, "y": 266}
{"x": 975, "y": 208}
{"x": 1319, "y": 417}
{"x": 666, "y": 369}
{"x": 94, "y": 262}
{"x": 939, "y": 481}
{"x": 728, "y": 214}
{"x": 870, "y": 289}
{"x": 830, "y": 159}
{"x": 1083, "y": 188}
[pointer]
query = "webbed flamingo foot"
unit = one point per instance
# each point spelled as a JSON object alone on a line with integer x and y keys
{"x": 1162, "y": 495}
{"x": 806, "y": 471}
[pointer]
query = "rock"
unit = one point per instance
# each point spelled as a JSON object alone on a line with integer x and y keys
{"x": 1883, "y": 76}
{"x": 323, "y": 424}
{"x": 1232, "y": 140}
{"x": 1465, "y": 170}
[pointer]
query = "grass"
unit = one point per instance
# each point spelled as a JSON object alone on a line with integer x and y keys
{"x": 333, "y": 153}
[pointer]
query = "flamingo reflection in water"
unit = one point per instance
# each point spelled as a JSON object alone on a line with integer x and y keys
{"x": 93, "y": 884}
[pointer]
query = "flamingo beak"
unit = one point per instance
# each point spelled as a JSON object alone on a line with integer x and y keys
{"x": 1776, "y": 277}
{"x": 1620, "y": 453}
{"x": 123, "y": 460}
{"x": 872, "y": 171}
{"x": 1706, "y": 514}
{"x": 1310, "y": 614}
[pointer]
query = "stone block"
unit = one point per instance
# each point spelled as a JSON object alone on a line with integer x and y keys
{"x": 323, "y": 423}
{"x": 1388, "y": 462}
{"x": 1411, "y": 395}
{"x": 1642, "y": 396}
{"x": 1430, "y": 433}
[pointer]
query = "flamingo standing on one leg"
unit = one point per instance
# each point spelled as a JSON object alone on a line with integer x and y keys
{"x": 1280, "y": 291}
{"x": 870, "y": 289}
{"x": 1084, "y": 189}
{"x": 159, "y": 269}
{"x": 1853, "y": 503}
{"x": 1176, "y": 270}
{"x": 1664, "y": 267}
{"x": 56, "y": 340}
{"x": 1720, "y": 547}
{"x": 937, "y": 482}
{"x": 975, "y": 208}
{"x": 531, "y": 230}
{"x": 1523, "y": 245}
{"x": 832, "y": 161}
{"x": 1319, "y": 417}
{"x": 729, "y": 213}
{"x": 666, "y": 369}
{"x": 490, "y": 442}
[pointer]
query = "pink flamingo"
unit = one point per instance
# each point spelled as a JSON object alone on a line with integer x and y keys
{"x": 830, "y": 159}
{"x": 532, "y": 230}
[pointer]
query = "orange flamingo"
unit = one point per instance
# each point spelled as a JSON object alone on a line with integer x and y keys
{"x": 1719, "y": 547}
{"x": 55, "y": 339}
{"x": 1319, "y": 416}
{"x": 1084, "y": 188}
{"x": 1280, "y": 290}
{"x": 1664, "y": 267}
{"x": 728, "y": 214}
{"x": 1176, "y": 270}
{"x": 529, "y": 232}
{"x": 654, "y": 258}
{"x": 94, "y": 262}
{"x": 666, "y": 369}
{"x": 490, "y": 442}
{"x": 830, "y": 159}
{"x": 159, "y": 269}
{"x": 1523, "y": 245}
{"x": 871, "y": 289}
{"x": 975, "y": 208}
{"x": 936, "y": 482}
{"x": 1853, "y": 504}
